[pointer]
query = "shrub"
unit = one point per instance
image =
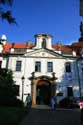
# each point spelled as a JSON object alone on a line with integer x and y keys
{"x": 68, "y": 103}
{"x": 11, "y": 102}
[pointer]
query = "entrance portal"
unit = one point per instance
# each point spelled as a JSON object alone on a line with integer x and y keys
{"x": 43, "y": 95}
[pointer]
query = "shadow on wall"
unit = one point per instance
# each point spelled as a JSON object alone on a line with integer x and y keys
{"x": 69, "y": 86}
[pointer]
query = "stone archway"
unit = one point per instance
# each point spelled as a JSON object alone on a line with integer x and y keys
{"x": 46, "y": 80}
{"x": 43, "y": 92}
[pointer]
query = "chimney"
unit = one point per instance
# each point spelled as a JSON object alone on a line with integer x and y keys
{"x": 3, "y": 39}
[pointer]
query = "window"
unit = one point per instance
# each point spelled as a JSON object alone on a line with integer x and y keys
{"x": 68, "y": 67}
{"x": 21, "y": 50}
{"x": 69, "y": 91}
{"x": 68, "y": 71}
{"x": 0, "y": 64}
{"x": 38, "y": 66}
{"x": 49, "y": 67}
{"x": 82, "y": 68}
{"x": 18, "y": 65}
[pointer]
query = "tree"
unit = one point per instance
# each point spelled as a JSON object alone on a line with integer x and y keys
{"x": 7, "y": 15}
{"x": 7, "y": 86}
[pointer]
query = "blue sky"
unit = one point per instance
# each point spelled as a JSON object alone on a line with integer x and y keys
{"x": 59, "y": 18}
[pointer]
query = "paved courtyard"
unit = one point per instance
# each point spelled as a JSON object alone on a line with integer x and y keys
{"x": 53, "y": 117}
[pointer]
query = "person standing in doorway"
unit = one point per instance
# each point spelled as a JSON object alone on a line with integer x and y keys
{"x": 38, "y": 97}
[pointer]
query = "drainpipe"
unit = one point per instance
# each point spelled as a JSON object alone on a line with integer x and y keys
{"x": 78, "y": 76}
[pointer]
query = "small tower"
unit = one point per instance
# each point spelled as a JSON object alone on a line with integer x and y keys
{"x": 43, "y": 41}
{"x": 3, "y": 39}
{"x": 1, "y": 48}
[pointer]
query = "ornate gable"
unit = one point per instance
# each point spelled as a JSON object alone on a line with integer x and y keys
{"x": 42, "y": 53}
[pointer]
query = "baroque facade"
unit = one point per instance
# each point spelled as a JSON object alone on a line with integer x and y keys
{"x": 53, "y": 70}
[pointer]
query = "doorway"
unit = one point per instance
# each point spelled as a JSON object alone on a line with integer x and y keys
{"x": 43, "y": 95}
{"x": 69, "y": 91}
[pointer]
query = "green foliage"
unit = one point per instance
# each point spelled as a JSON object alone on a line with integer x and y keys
{"x": 6, "y": 14}
{"x": 12, "y": 115}
{"x": 6, "y": 2}
{"x": 7, "y": 89}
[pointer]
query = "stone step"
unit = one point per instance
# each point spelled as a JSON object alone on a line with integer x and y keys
{"x": 42, "y": 107}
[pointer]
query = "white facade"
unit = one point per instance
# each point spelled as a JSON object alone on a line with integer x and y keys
{"x": 43, "y": 52}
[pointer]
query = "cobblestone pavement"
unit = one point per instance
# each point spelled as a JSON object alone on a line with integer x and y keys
{"x": 52, "y": 117}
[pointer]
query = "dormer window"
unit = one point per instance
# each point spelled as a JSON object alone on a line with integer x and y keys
{"x": 19, "y": 50}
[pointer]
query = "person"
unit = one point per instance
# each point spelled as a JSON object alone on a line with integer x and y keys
{"x": 52, "y": 103}
{"x": 38, "y": 97}
{"x": 28, "y": 100}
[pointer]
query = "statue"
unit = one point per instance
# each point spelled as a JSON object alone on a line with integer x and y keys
{"x": 44, "y": 43}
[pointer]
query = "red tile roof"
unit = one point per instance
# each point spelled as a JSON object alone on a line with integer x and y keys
{"x": 77, "y": 44}
{"x": 19, "y": 45}
{"x": 77, "y": 47}
{"x": 64, "y": 48}
{"x": 7, "y": 48}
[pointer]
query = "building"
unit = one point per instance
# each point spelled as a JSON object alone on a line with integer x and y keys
{"x": 52, "y": 70}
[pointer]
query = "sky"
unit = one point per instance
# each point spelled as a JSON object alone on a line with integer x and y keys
{"x": 59, "y": 18}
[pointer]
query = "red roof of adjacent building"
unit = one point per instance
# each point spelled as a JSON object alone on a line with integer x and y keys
{"x": 77, "y": 44}
{"x": 62, "y": 48}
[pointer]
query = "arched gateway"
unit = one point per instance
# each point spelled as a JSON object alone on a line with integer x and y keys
{"x": 45, "y": 87}
{"x": 43, "y": 92}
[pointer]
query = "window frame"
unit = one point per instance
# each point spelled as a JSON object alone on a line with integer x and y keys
{"x": 68, "y": 67}
{"x": 18, "y": 65}
{"x": 49, "y": 66}
{"x": 20, "y": 50}
{"x": 0, "y": 64}
{"x": 82, "y": 69}
{"x": 37, "y": 66}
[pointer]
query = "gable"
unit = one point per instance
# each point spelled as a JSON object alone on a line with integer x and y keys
{"x": 42, "y": 53}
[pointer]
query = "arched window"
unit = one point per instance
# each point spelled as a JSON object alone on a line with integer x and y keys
{"x": 44, "y": 43}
